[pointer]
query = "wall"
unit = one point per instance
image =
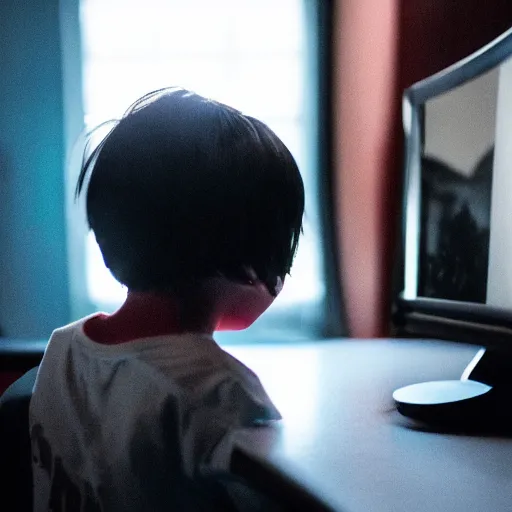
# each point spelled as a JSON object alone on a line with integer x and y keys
{"x": 33, "y": 277}
{"x": 365, "y": 114}
{"x": 380, "y": 49}
{"x": 437, "y": 33}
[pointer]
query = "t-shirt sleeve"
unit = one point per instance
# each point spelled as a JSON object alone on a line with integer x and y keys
{"x": 209, "y": 426}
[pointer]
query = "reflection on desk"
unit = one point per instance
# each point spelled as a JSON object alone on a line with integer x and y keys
{"x": 342, "y": 439}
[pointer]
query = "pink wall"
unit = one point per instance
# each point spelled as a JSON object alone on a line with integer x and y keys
{"x": 365, "y": 47}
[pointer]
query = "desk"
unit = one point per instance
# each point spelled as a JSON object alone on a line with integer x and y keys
{"x": 342, "y": 440}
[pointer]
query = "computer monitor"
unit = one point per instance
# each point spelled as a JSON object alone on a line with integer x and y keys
{"x": 456, "y": 269}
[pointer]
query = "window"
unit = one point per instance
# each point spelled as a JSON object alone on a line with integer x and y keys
{"x": 251, "y": 54}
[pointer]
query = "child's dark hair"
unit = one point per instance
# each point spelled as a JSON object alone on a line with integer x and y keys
{"x": 184, "y": 188}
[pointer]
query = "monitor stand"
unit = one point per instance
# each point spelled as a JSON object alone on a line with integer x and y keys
{"x": 482, "y": 398}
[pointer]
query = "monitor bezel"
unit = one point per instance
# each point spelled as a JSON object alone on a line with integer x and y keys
{"x": 419, "y": 316}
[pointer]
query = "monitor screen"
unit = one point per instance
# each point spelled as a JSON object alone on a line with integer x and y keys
{"x": 457, "y": 170}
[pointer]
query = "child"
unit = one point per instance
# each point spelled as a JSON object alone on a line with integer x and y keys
{"x": 197, "y": 210}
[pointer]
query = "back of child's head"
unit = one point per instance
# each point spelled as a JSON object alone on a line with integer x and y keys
{"x": 183, "y": 189}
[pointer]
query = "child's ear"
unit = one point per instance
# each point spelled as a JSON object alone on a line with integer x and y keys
{"x": 277, "y": 287}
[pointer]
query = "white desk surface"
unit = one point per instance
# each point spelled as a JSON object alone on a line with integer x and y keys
{"x": 342, "y": 439}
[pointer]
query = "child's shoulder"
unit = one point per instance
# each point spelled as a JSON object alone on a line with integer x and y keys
{"x": 72, "y": 327}
{"x": 63, "y": 337}
{"x": 247, "y": 391}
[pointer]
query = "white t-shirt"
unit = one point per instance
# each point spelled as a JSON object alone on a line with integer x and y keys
{"x": 129, "y": 426}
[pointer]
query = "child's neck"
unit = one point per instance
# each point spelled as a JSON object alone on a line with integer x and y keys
{"x": 147, "y": 314}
